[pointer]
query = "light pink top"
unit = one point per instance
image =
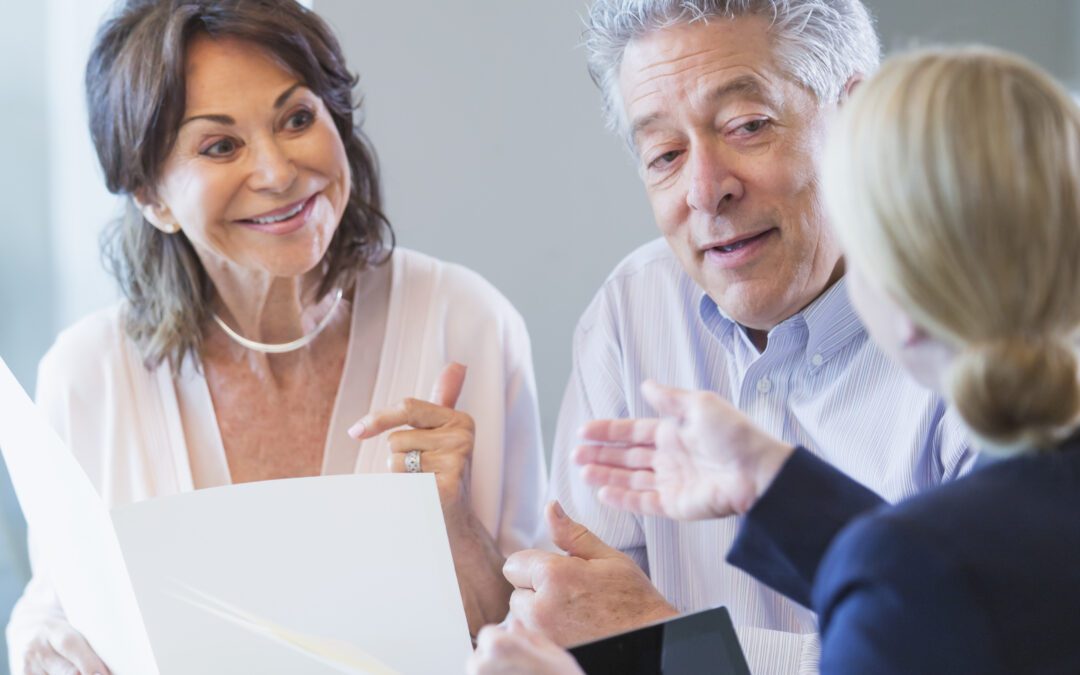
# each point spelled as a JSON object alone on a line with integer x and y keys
{"x": 142, "y": 433}
{"x": 206, "y": 451}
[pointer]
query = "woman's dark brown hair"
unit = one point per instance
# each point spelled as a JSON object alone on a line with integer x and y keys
{"x": 136, "y": 95}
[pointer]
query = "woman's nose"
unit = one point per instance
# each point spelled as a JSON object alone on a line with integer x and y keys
{"x": 272, "y": 169}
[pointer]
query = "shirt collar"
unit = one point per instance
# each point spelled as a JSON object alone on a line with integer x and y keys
{"x": 830, "y": 321}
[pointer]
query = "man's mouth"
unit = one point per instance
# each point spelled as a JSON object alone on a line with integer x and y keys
{"x": 731, "y": 247}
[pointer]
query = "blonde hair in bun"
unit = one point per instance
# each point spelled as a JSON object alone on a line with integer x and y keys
{"x": 1017, "y": 393}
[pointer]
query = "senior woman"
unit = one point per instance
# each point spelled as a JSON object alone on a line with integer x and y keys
{"x": 954, "y": 184}
{"x": 266, "y": 308}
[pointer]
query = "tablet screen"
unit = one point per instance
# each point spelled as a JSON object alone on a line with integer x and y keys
{"x": 693, "y": 644}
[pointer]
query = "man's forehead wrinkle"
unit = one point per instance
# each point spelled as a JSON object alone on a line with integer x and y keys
{"x": 667, "y": 61}
{"x": 748, "y": 82}
{"x": 708, "y": 70}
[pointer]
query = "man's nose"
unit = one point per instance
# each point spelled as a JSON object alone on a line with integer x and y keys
{"x": 272, "y": 168}
{"x": 713, "y": 186}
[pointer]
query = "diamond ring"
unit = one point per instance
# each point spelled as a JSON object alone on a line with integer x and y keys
{"x": 412, "y": 461}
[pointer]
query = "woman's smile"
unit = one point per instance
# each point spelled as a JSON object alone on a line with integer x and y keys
{"x": 284, "y": 220}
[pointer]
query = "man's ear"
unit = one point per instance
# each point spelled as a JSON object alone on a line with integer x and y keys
{"x": 849, "y": 86}
{"x": 156, "y": 212}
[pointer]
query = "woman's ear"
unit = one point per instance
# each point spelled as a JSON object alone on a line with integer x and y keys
{"x": 911, "y": 333}
{"x": 156, "y": 212}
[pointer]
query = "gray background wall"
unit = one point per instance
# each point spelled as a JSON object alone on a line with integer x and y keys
{"x": 491, "y": 142}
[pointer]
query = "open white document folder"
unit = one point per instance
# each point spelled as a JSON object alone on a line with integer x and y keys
{"x": 334, "y": 574}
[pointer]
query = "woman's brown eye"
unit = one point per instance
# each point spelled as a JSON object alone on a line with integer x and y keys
{"x": 300, "y": 120}
{"x": 222, "y": 147}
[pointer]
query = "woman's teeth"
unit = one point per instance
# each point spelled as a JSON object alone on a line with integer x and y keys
{"x": 277, "y": 219}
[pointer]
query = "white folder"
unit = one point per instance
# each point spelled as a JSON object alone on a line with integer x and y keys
{"x": 333, "y": 574}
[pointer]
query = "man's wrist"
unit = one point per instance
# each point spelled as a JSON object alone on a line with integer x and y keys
{"x": 662, "y": 612}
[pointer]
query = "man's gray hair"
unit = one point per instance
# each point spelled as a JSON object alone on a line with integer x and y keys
{"x": 819, "y": 43}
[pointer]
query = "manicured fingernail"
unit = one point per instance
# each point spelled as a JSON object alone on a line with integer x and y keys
{"x": 356, "y": 429}
{"x": 558, "y": 509}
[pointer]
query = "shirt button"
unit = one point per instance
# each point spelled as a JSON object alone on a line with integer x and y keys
{"x": 763, "y": 385}
{"x": 817, "y": 359}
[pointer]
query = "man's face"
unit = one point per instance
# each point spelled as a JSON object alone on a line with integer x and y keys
{"x": 727, "y": 148}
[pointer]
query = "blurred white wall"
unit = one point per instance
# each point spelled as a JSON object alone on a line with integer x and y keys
{"x": 79, "y": 203}
{"x": 26, "y": 281}
{"x": 1043, "y": 30}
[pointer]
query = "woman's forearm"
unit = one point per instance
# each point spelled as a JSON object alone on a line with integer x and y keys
{"x": 485, "y": 593}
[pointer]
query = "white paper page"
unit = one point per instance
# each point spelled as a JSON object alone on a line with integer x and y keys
{"x": 73, "y": 532}
{"x": 363, "y": 560}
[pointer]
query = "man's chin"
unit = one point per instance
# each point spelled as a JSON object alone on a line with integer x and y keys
{"x": 756, "y": 305}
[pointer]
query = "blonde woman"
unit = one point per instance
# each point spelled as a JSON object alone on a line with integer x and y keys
{"x": 954, "y": 183}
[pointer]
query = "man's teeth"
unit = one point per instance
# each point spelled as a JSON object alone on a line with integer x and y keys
{"x": 284, "y": 216}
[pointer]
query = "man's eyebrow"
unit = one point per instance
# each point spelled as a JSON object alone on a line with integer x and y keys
{"x": 642, "y": 123}
{"x": 745, "y": 85}
{"x": 225, "y": 119}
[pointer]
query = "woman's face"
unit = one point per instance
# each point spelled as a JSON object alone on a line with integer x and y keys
{"x": 924, "y": 357}
{"x": 258, "y": 177}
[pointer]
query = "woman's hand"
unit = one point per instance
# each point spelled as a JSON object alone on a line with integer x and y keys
{"x": 59, "y": 649}
{"x": 515, "y": 650}
{"x": 704, "y": 459}
{"x": 443, "y": 436}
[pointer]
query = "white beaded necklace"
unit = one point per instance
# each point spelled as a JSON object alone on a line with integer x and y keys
{"x": 285, "y": 346}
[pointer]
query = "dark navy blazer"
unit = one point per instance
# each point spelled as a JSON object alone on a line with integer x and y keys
{"x": 981, "y": 575}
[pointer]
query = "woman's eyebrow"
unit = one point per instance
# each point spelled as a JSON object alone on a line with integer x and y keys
{"x": 226, "y": 119}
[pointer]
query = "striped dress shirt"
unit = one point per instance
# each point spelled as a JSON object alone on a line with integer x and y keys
{"x": 820, "y": 383}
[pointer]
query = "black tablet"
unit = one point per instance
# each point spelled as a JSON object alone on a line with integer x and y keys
{"x": 692, "y": 644}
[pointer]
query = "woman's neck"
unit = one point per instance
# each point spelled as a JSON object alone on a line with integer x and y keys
{"x": 266, "y": 308}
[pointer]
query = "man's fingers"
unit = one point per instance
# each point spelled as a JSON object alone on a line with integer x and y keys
{"x": 573, "y": 537}
{"x": 448, "y": 386}
{"x": 644, "y": 502}
{"x": 634, "y": 457}
{"x": 598, "y": 475}
{"x": 622, "y": 431}
{"x": 522, "y": 602}
{"x": 521, "y": 567}
{"x": 412, "y": 412}
{"x": 668, "y": 401}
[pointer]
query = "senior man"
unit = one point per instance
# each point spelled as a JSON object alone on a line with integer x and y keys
{"x": 725, "y": 104}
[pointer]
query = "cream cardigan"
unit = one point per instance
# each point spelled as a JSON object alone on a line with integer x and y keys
{"x": 123, "y": 421}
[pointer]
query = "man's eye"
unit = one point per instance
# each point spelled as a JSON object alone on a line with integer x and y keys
{"x": 755, "y": 126}
{"x": 665, "y": 159}
{"x": 225, "y": 146}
